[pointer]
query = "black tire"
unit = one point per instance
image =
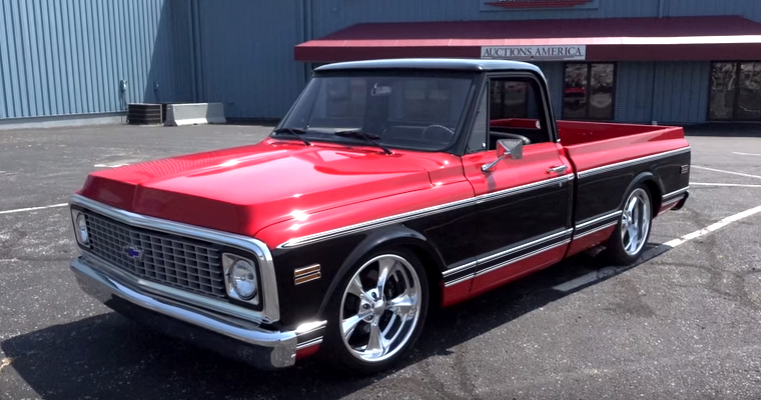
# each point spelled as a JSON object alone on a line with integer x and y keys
{"x": 615, "y": 248}
{"x": 336, "y": 353}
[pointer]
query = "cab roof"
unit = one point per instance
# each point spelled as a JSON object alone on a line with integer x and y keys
{"x": 454, "y": 64}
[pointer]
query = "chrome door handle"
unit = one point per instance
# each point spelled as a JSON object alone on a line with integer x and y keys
{"x": 560, "y": 169}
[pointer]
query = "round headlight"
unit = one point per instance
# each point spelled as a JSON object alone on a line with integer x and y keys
{"x": 82, "y": 233}
{"x": 243, "y": 279}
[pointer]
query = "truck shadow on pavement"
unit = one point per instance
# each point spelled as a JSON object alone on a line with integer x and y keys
{"x": 109, "y": 356}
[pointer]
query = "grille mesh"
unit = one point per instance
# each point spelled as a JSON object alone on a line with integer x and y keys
{"x": 184, "y": 264}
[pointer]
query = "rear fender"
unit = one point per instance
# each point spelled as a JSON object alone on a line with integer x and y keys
{"x": 652, "y": 181}
{"x": 389, "y": 236}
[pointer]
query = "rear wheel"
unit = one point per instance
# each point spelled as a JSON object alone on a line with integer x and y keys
{"x": 377, "y": 313}
{"x": 628, "y": 241}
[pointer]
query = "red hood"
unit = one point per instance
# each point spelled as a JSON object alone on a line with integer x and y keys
{"x": 245, "y": 189}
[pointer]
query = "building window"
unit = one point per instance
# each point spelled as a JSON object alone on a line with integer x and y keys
{"x": 735, "y": 91}
{"x": 589, "y": 90}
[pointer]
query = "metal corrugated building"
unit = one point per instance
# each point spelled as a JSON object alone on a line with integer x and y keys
{"x": 60, "y": 58}
{"x": 67, "y": 59}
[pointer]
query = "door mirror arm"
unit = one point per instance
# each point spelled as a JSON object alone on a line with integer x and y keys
{"x": 506, "y": 148}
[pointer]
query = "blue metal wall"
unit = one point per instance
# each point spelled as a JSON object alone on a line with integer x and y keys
{"x": 634, "y": 91}
{"x": 246, "y": 54}
{"x": 681, "y": 94}
{"x": 751, "y": 9}
{"x": 553, "y": 72}
{"x": 67, "y": 57}
{"x": 332, "y": 15}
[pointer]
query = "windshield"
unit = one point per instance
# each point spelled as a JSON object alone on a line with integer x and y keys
{"x": 414, "y": 112}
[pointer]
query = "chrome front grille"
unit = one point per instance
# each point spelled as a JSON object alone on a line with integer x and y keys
{"x": 182, "y": 263}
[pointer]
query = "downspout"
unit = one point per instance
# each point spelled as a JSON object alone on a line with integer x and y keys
{"x": 653, "y": 94}
{"x": 191, "y": 45}
{"x": 661, "y": 14}
{"x": 306, "y": 6}
{"x": 197, "y": 60}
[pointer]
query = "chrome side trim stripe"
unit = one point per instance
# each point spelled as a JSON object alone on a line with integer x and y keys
{"x": 309, "y": 343}
{"x": 595, "y": 230}
{"x": 463, "y": 279}
{"x": 612, "y": 215}
{"x": 394, "y": 219}
{"x": 624, "y": 164}
{"x": 675, "y": 193}
{"x": 523, "y": 257}
{"x": 524, "y": 246}
{"x": 506, "y": 253}
{"x": 460, "y": 268}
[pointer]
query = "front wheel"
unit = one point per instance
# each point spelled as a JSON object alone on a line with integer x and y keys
{"x": 377, "y": 313}
{"x": 628, "y": 241}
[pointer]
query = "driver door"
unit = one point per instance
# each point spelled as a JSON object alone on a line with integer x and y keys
{"x": 524, "y": 217}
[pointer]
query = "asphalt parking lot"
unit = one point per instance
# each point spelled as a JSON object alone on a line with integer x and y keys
{"x": 684, "y": 324}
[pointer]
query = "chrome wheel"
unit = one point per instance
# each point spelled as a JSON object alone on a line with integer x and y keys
{"x": 635, "y": 222}
{"x": 380, "y": 308}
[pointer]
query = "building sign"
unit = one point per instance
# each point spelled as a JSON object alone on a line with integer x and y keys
{"x": 535, "y": 53}
{"x": 497, "y": 5}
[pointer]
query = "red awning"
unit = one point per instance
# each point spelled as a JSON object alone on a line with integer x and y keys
{"x": 614, "y": 39}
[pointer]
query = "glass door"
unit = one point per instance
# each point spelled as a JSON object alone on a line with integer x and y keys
{"x": 748, "y": 106}
{"x": 735, "y": 91}
{"x": 589, "y": 91}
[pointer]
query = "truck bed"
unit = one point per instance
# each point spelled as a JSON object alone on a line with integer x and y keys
{"x": 592, "y": 144}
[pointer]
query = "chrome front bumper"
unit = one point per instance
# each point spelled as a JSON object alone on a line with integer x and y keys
{"x": 238, "y": 339}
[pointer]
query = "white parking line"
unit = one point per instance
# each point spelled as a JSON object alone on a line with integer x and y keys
{"x": 727, "y": 172}
{"x": 109, "y": 166}
{"x": 723, "y": 184}
{"x": 654, "y": 252}
{"x": 746, "y": 154}
{"x": 33, "y": 208}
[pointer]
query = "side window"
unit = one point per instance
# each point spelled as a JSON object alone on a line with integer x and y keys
{"x": 516, "y": 108}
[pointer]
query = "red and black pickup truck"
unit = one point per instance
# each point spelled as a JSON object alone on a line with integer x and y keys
{"x": 389, "y": 188}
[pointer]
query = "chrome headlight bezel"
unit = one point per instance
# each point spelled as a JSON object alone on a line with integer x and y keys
{"x": 229, "y": 262}
{"x": 81, "y": 233}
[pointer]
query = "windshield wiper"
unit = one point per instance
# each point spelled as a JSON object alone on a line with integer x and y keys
{"x": 296, "y": 132}
{"x": 368, "y": 137}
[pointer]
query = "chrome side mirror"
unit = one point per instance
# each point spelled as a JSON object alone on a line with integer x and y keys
{"x": 506, "y": 148}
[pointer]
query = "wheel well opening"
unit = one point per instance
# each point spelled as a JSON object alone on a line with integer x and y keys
{"x": 432, "y": 272}
{"x": 655, "y": 195}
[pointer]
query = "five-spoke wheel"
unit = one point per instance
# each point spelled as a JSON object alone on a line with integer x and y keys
{"x": 635, "y": 222}
{"x": 381, "y": 310}
{"x": 633, "y": 230}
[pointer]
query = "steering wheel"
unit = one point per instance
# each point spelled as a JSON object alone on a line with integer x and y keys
{"x": 439, "y": 133}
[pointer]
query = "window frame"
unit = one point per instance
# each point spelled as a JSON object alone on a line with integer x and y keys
{"x": 484, "y": 92}
{"x": 737, "y": 74}
{"x": 588, "y": 65}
